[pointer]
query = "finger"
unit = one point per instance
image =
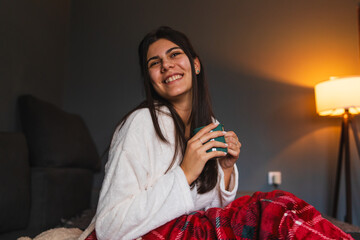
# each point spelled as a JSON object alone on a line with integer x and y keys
{"x": 231, "y": 134}
{"x": 234, "y": 153}
{"x": 233, "y": 143}
{"x": 215, "y": 154}
{"x": 233, "y": 146}
{"x": 203, "y": 131}
{"x": 214, "y": 144}
{"x": 211, "y": 135}
{"x": 233, "y": 140}
{"x": 230, "y": 139}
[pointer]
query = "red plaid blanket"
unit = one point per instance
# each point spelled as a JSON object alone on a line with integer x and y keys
{"x": 273, "y": 215}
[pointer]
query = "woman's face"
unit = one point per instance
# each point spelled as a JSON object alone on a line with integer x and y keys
{"x": 170, "y": 70}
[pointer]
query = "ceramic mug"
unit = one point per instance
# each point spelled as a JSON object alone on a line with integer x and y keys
{"x": 219, "y": 127}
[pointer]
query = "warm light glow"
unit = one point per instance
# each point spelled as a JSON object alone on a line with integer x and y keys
{"x": 336, "y": 95}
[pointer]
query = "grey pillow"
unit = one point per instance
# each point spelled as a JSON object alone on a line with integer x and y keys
{"x": 15, "y": 182}
{"x": 56, "y": 138}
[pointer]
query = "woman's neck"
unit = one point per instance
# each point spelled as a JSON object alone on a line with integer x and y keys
{"x": 184, "y": 113}
{"x": 184, "y": 110}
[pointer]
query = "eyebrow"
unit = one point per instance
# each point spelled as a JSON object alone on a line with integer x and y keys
{"x": 156, "y": 57}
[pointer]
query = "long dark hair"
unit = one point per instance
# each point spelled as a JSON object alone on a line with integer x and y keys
{"x": 201, "y": 113}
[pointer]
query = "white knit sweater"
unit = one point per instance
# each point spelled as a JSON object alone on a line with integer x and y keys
{"x": 137, "y": 196}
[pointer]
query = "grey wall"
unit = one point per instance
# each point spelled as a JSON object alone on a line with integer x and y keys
{"x": 262, "y": 60}
{"x": 34, "y": 50}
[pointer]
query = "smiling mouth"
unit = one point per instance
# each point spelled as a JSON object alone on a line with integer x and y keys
{"x": 172, "y": 78}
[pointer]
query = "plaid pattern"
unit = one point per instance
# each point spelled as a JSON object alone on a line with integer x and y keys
{"x": 273, "y": 215}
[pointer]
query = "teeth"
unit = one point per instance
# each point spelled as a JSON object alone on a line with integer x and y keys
{"x": 172, "y": 78}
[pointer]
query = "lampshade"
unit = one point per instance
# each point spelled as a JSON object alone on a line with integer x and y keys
{"x": 335, "y": 95}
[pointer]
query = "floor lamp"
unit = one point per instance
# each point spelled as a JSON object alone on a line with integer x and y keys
{"x": 341, "y": 97}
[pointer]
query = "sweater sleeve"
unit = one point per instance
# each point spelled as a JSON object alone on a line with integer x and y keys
{"x": 129, "y": 206}
{"x": 225, "y": 196}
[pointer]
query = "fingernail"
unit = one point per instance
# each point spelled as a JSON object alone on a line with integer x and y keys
{"x": 216, "y": 123}
{"x": 226, "y": 144}
{"x": 224, "y": 132}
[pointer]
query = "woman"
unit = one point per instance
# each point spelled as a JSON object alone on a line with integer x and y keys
{"x": 157, "y": 169}
{"x": 159, "y": 173}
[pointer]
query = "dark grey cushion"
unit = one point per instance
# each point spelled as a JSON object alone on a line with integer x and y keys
{"x": 14, "y": 182}
{"x": 58, "y": 193}
{"x": 55, "y": 137}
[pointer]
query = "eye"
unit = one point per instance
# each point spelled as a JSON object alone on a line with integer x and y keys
{"x": 153, "y": 63}
{"x": 174, "y": 54}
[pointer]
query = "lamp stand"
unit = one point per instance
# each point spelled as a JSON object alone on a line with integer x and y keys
{"x": 345, "y": 147}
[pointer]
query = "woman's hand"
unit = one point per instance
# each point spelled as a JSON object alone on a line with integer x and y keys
{"x": 196, "y": 156}
{"x": 234, "y": 146}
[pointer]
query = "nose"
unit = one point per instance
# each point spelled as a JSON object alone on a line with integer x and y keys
{"x": 166, "y": 64}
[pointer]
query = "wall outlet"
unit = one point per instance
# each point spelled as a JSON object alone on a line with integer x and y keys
{"x": 274, "y": 178}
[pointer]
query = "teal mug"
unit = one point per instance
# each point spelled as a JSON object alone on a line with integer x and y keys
{"x": 219, "y": 127}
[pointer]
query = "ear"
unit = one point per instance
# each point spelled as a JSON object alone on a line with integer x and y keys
{"x": 197, "y": 65}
